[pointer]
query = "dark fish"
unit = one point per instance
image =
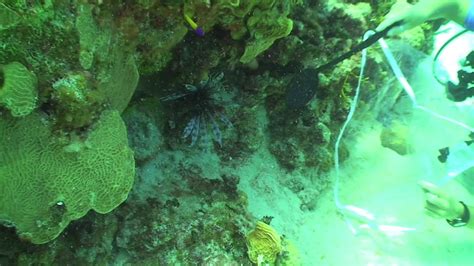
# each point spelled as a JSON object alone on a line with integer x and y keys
{"x": 302, "y": 88}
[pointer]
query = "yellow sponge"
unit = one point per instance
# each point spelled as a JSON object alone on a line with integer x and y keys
{"x": 45, "y": 184}
{"x": 18, "y": 91}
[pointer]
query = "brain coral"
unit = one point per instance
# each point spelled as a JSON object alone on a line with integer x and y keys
{"x": 45, "y": 184}
{"x": 18, "y": 89}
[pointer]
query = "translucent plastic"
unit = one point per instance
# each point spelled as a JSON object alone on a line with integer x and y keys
{"x": 460, "y": 159}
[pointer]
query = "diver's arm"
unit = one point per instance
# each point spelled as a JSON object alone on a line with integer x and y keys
{"x": 424, "y": 10}
{"x": 455, "y": 10}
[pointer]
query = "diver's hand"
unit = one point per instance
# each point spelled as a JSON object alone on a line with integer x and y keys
{"x": 424, "y": 10}
{"x": 439, "y": 204}
{"x": 412, "y": 16}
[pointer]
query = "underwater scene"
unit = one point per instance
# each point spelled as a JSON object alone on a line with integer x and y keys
{"x": 236, "y": 132}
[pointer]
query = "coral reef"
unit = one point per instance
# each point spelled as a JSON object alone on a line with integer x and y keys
{"x": 89, "y": 36}
{"x": 265, "y": 27}
{"x": 187, "y": 219}
{"x": 8, "y": 17}
{"x": 266, "y": 247}
{"x": 18, "y": 92}
{"x": 301, "y": 137}
{"x": 71, "y": 154}
{"x": 194, "y": 223}
{"x": 88, "y": 240}
{"x": 264, "y": 244}
{"x": 80, "y": 65}
{"x": 45, "y": 184}
{"x": 144, "y": 136}
{"x": 74, "y": 102}
{"x": 119, "y": 78}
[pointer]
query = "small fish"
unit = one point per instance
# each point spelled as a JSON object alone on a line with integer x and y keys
{"x": 197, "y": 29}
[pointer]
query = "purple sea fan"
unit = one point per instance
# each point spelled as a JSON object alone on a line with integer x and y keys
{"x": 202, "y": 108}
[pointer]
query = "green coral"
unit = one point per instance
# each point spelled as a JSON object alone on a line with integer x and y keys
{"x": 43, "y": 39}
{"x": 18, "y": 91}
{"x": 45, "y": 183}
{"x": 156, "y": 42}
{"x": 75, "y": 103}
{"x": 262, "y": 21}
{"x": 267, "y": 23}
{"x": 96, "y": 38}
{"x": 88, "y": 33}
{"x": 8, "y": 17}
{"x": 48, "y": 179}
{"x": 265, "y": 27}
{"x": 119, "y": 81}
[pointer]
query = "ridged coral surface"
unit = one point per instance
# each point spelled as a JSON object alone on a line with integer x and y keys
{"x": 44, "y": 184}
{"x": 18, "y": 93}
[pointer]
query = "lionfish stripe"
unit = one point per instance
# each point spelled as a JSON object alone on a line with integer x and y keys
{"x": 190, "y": 87}
{"x": 225, "y": 120}
{"x": 189, "y": 128}
{"x": 195, "y": 132}
{"x": 173, "y": 97}
{"x": 216, "y": 130}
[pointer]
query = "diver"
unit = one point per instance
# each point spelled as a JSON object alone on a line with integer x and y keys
{"x": 459, "y": 11}
{"x": 438, "y": 203}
